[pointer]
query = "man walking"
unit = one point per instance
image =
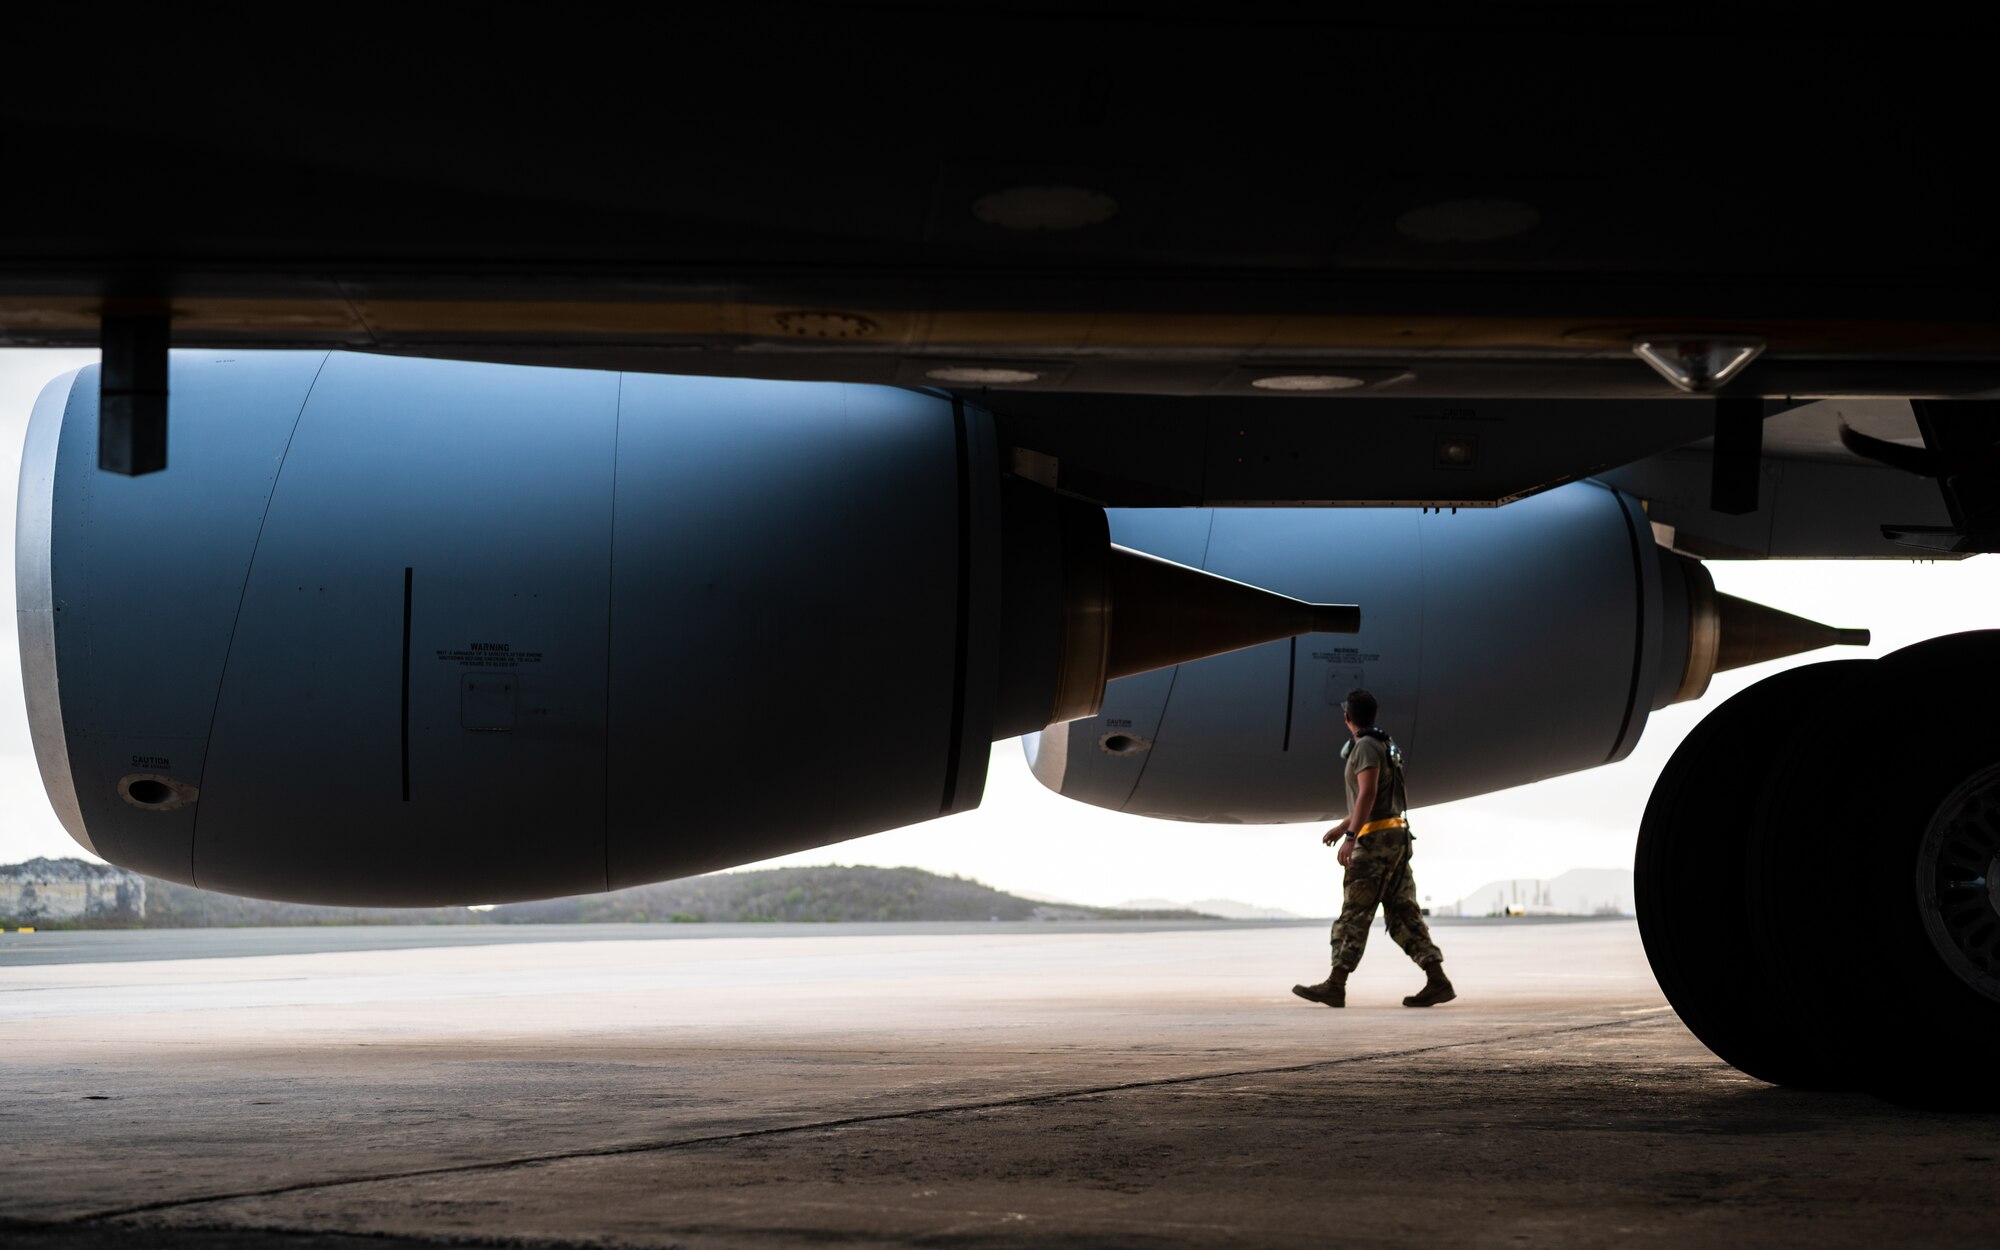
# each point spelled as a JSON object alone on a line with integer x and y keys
{"x": 1375, "y": 851}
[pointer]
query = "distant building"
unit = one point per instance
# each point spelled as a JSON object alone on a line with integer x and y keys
{"x": 45, "y": 890}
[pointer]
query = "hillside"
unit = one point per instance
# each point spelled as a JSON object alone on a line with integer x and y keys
{"x": 815, "y": 894}
{"x": 171, "y": 906}
{"x": 1578, "y": 892}
{"x": 70, "y": 893}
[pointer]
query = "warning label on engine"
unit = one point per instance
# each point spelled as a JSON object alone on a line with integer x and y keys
{"x": 1346, "y": 655}
{"x": 489, "y": 655}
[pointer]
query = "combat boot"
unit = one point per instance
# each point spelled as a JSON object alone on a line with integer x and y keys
{"x": 1437, "y": 987}
{"x": 1332, "y": 992}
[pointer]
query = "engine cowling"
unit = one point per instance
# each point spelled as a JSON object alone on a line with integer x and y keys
{"x": 1505, "y": 645}
{"x": 394, "y": 631}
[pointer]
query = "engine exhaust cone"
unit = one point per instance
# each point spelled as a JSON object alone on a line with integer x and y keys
{"x": 1724, "y": 632}
{"x": 1080, "y": 611}
{"x": 1164, "y": 614}
{"x": 1751, "y": 633}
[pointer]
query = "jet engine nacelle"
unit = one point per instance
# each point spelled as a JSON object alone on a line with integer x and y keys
{"x": 1505, "y": 646}
{"x": 412, "y": 632}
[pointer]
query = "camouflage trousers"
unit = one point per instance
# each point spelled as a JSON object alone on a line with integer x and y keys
{"x": 1379, "y": 875}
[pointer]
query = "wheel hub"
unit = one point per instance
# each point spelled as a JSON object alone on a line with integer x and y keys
{"x": 1958, "y": 881}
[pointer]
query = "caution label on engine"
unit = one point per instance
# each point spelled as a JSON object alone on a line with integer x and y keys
{"x": 1346, "y": 669}
{"x": 489, "y": 655}
{"x": 1346, "y": 655}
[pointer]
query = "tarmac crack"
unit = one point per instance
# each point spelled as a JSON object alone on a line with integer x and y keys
{"x": 781, "y": 1130}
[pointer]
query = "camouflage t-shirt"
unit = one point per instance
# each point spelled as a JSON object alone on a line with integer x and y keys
{"x": 1371, "y": 753}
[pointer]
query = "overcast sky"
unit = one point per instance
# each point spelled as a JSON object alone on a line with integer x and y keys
{"x": 1025, "y": 838}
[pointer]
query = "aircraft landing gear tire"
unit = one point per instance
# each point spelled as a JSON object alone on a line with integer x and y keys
{"x": 1818, "y": 876}
{"x": 1699, "y": 896}
{"x": 1878, "y": 824}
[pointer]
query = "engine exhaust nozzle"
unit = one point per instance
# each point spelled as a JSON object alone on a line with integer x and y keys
{"x": 1164, "y": 614}
{"x": 1080, "y": 611}
{"x": 1725, "y": 632}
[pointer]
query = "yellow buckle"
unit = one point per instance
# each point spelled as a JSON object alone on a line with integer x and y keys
{"x": 1391, "y": 822}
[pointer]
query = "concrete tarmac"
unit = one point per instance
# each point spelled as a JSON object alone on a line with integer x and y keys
{"x": 998, "y": 1087}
